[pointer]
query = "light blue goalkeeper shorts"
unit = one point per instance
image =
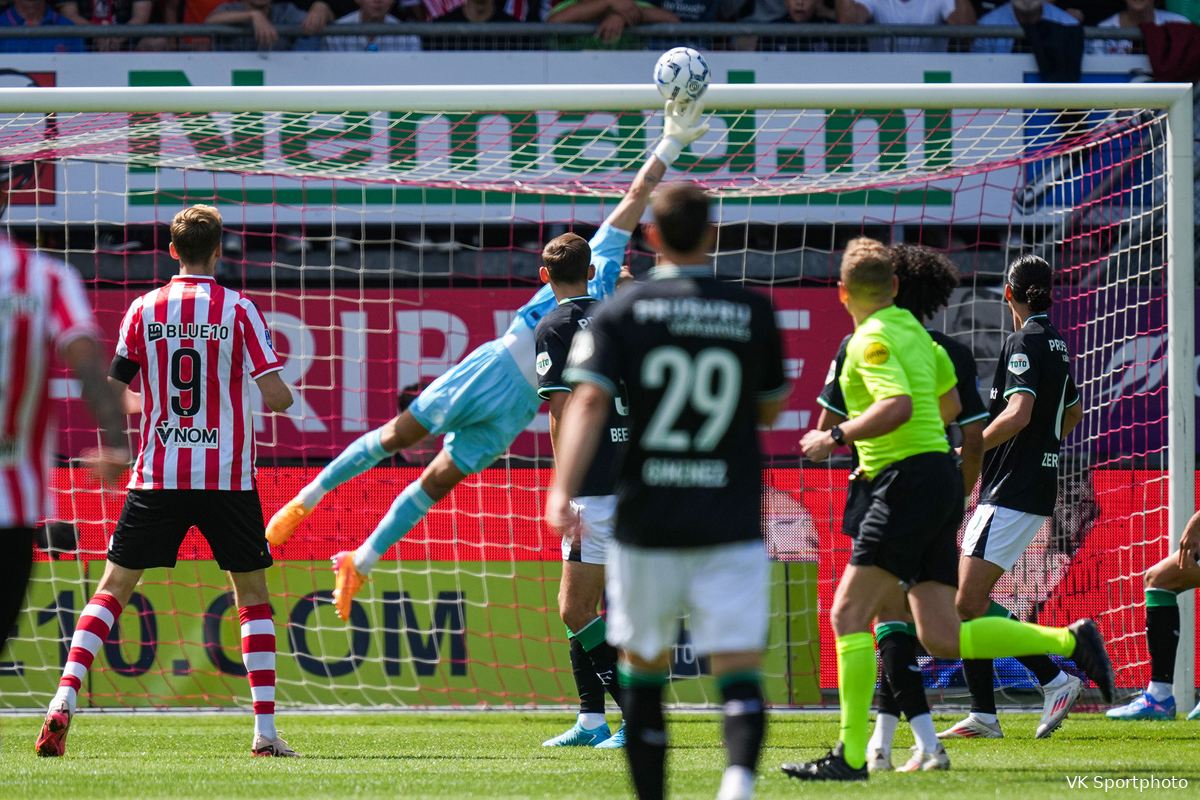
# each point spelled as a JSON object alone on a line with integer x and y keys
{"x": 481, "y": 404}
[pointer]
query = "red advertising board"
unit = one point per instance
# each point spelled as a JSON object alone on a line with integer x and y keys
{"x": 1089, "y": 562}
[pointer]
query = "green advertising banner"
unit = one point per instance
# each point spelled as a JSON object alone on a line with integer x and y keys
{"x": 421, "y": 634}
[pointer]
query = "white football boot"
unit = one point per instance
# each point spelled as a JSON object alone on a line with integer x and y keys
{"x": 1057, "y": 705}
{"x": 879, "y": 761}
{"x": 271, "y": 747}
{"x": 972, "y": 728}
{"x": 927, "y": 762}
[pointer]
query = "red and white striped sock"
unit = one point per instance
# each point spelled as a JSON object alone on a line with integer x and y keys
{"x": 97, "y": 619}
{"x": 258, "y": 654}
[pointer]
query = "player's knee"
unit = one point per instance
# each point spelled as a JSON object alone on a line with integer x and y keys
{"x": 575, "y": 616}
{"x": 941, "y": 646}
{"x": 845, "y": 619}
{"x": 1153, "y": 579}
{"x": 401, "y": 432}
{"x": 971, "y": 607}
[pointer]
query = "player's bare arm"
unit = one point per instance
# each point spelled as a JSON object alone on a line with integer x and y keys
{"x": 971, "y": 454}
{"x": 1072, "y": 416}
{"x": 828, "y": 419}
{"x": 950, "y": 406}
{"x": 1011, "y": 421}
{"x": 883, "y": 417}
{"x": 82, "y": 356}
{"x": 275, "y": 392}
{"x": 578, "y": 434}
{"x": 131, "y": 401}
{"x": 1189, "y": 542}
{"x": 628, "y": 212}
{"x": 768, "y": 411}
{"x": 557, "y": 402}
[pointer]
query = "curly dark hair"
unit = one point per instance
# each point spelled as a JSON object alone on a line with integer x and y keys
{"x": 926, "y": 279}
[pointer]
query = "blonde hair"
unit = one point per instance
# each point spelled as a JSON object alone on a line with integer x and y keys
{"x": 196, "y": 234}
{"x": 867, "y": 270}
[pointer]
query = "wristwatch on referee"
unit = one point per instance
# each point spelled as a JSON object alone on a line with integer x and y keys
{"x": 836, "y": 434}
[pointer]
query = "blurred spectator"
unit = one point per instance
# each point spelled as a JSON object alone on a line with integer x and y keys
{"x": 106, "y": 12}
{"x": 187, "y": 12}
{"x": 36, "y": 12}
{"x": 319, "y": 13}
{"x": 613, "y": 16}
{"x": 370, "y": 11}
{"x": 158, "y": 16}
{"x": 907, "y": 12}
{"x": 1019, "y": 12}
{"x": 799, "y": 12}
{"x": 477, "y": 11}
{"x": 474, "y": 11}
{"x": 1136, "y": 13}
{"x": 263, "y": 15}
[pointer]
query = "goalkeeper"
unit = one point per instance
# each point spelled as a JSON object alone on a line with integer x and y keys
{"x": 484, "y": 402}
{"x": 900, "y": 393}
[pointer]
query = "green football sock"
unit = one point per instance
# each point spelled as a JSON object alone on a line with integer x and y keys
{"x": 997, "y": 637}
{"x": 856, "y": 688}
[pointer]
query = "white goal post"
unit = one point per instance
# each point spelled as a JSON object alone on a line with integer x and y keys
{"x": 1177, "y": 163}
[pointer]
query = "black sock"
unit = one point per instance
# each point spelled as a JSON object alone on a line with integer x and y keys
{"x": 887, "y": 698}
{"x": 604, "y": 665}
{"x": 591, "y": 689}
{"x": 745, "y": 718}
{"x": 980, "y": 682}
{"x": 898, "y": 656}
{"x": 1162, "y": 639}
{"x": 646, "y": 739}
{"x": 1042, "y": 667}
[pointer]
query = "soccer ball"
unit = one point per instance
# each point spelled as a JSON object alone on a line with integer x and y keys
{"x": 681, "y": 74}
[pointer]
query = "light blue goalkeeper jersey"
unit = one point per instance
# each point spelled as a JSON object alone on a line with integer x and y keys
{"x": 482, "y": 404}
{"x": 608, "y": 253}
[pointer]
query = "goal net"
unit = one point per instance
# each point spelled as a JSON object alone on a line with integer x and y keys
{"x": 384, "y": 245}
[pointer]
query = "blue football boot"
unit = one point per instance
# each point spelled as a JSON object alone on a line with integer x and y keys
{"x": 614, "y": 742}
{"x": 580, "y": 736}
{"x": 1194, "y": 713}
{"x": 1144, "y": 706}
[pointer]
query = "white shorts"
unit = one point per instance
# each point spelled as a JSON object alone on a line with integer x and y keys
{"x": 725, "y": 589}
{"x": 1000, "y": 535}
{"x": 598, "y": 515}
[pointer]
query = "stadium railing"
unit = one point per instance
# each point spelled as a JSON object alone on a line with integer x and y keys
{"x": 574, "y": 36}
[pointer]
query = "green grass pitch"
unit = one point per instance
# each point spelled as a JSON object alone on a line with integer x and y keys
{"x": 497, "y": 755}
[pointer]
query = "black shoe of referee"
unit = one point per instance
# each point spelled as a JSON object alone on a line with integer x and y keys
{"x": 832, "y": 767}
{"x": 1092, "y": 658}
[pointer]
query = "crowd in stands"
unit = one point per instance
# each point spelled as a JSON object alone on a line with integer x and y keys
{"x": 319, "y": 20}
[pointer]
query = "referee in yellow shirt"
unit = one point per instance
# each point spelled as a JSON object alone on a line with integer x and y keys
{"x": 899, "y": 391}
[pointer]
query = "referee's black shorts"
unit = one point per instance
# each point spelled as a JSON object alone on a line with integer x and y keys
{"x": 907, "y": 519}
{"x": 154, "y": 522}
{"x": 16, "y": 562}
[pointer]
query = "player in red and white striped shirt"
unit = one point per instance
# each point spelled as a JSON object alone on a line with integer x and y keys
{"x": 43, "y": 311}
{"x": 196, "y": 346}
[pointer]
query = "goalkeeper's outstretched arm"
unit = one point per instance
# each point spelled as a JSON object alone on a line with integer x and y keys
{"x": 681, "y": 126}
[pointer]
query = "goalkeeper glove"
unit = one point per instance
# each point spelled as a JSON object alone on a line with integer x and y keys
{"x": 681, "y": 127}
